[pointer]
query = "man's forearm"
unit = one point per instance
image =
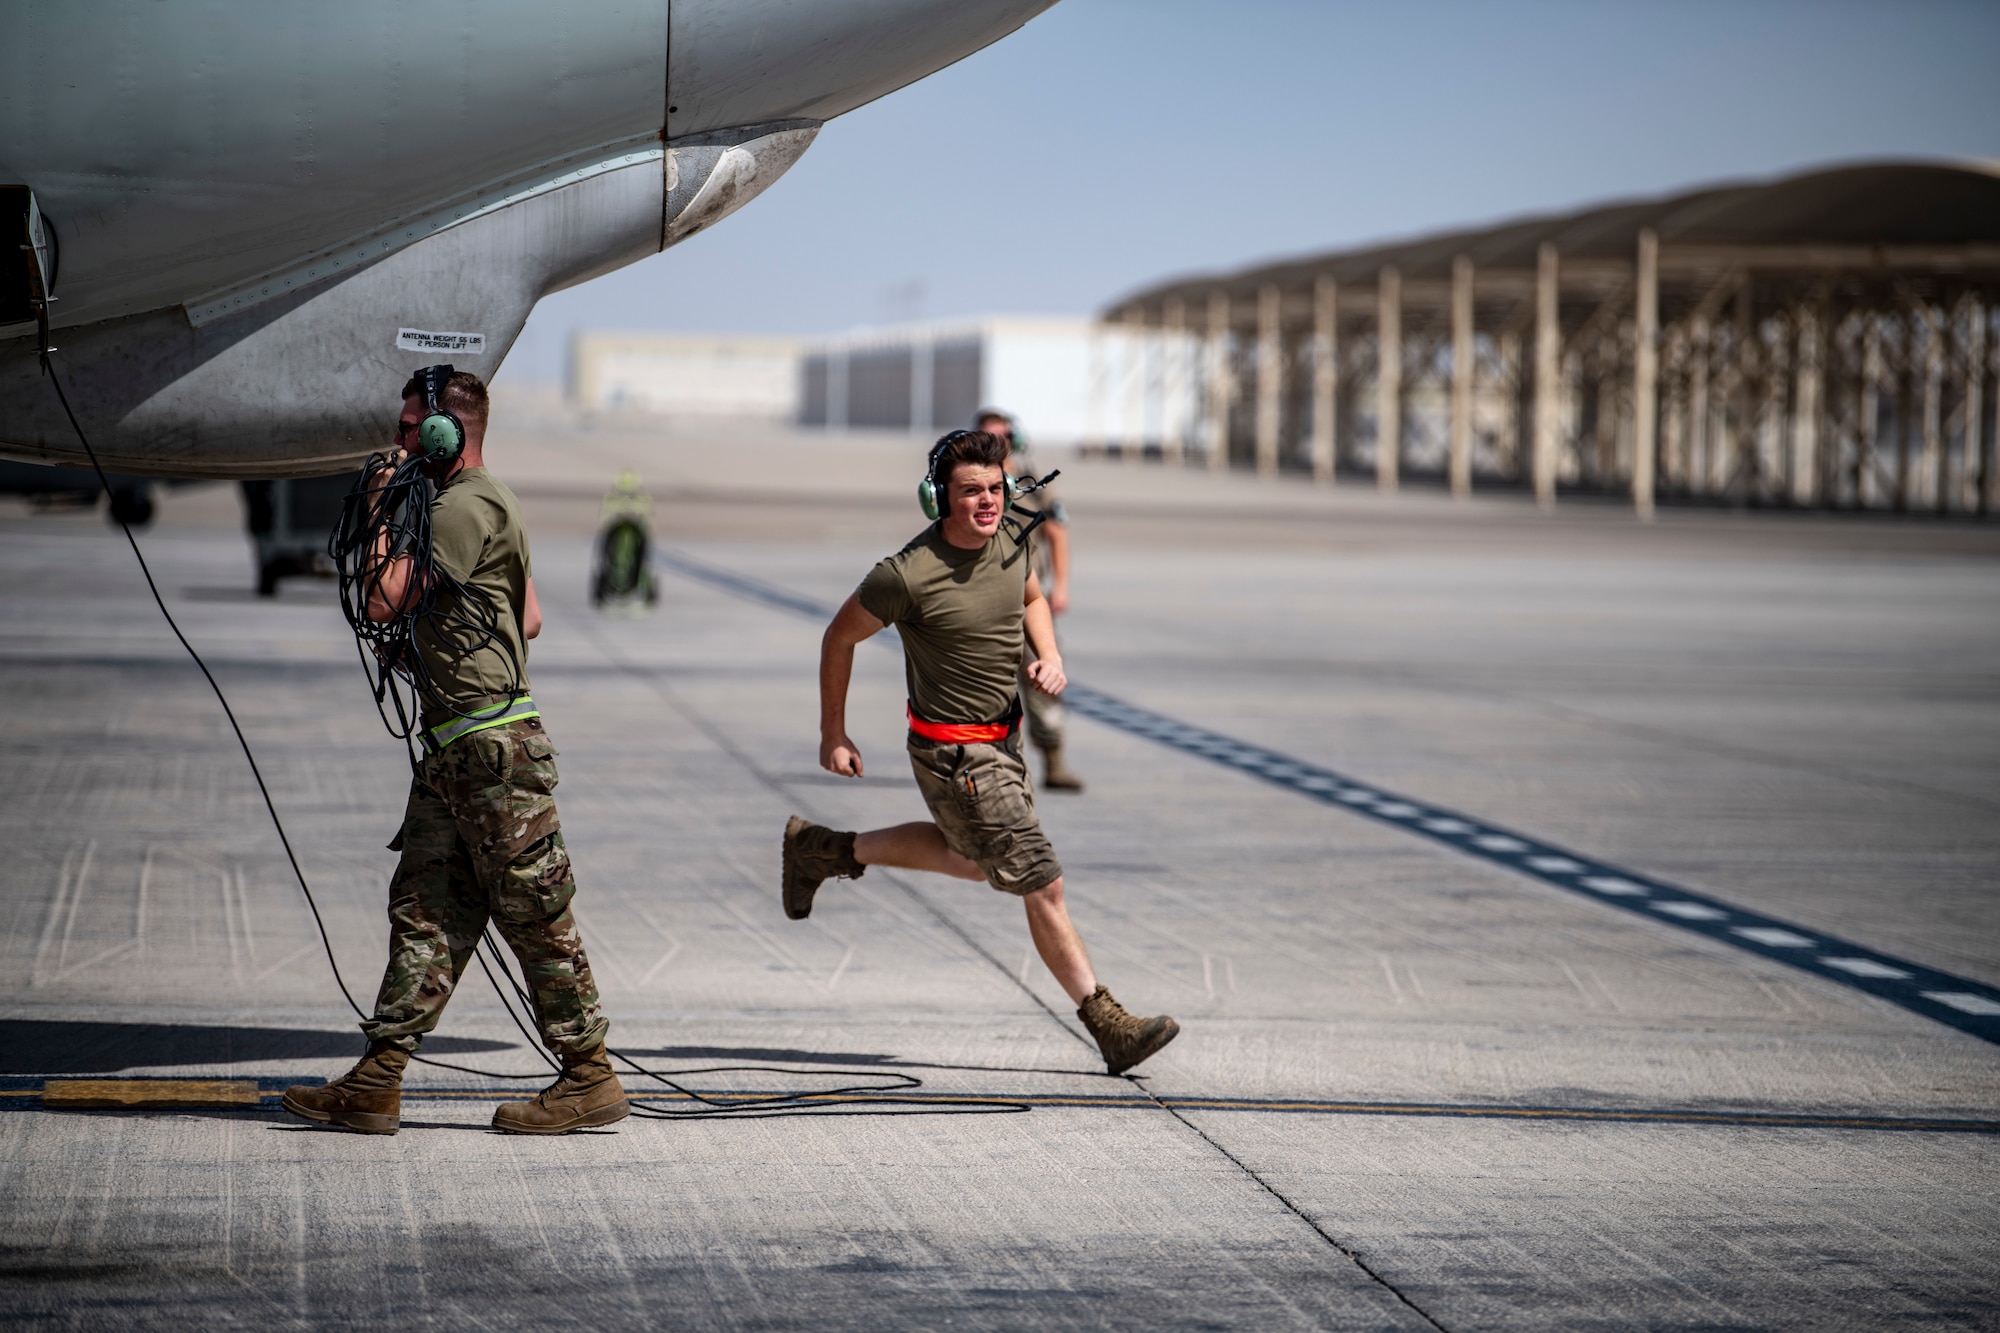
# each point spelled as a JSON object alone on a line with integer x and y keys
{"x": 389, "y": 588}
{"x": 836, "y": 669}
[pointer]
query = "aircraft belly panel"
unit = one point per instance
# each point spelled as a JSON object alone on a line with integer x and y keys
{"x": 301, "y": 382}
{"x": 356, "y": 251}
{"x": 305, "y": 384}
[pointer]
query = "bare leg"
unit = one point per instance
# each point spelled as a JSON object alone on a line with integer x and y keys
{"x": 1058, "y": 943}
{"x": 921, "y": 847}
{"x": 912, "y": 847}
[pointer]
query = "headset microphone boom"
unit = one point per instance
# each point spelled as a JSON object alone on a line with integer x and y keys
{"x": 931, "y": 496}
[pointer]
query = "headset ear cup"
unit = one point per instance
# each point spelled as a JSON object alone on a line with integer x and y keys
{"x": 1013, "y": 492}
{"x": 441, "y": 436}
{"x": 927, "y": 497}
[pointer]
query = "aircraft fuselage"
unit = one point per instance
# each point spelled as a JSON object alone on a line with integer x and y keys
{"x": 264, "y": 216}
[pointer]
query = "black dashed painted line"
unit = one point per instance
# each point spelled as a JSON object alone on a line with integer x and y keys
{"x": 1969, "y": 1006}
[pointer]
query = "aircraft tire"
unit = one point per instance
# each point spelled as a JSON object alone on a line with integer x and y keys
{"x": 132, "y": 506}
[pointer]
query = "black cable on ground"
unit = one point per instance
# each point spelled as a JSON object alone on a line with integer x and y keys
{"x": 853, "y": 1099}
{"x": 220, "y": 697}
{"x": 397, "y": 506}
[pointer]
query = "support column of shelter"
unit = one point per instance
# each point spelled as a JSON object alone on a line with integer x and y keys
{"x": 1270, "y": 377}
{"x": 1507, "y": 350}
{"x": 1153, "y": 360}
{"x": 1701, "y": 409}
{"x": 1934, "y": 471}
{"x": 1548, "y": 353}
{"x": 1781, "y": 378}
{"x": 1646, "y": 375}
{"x": 1809, "y": 425}
{"x": 1388, "y": 378}
{"x": 1672, "y": 466}
{"x": 1989, "y": 495}
{"x": 1173, "y": 423}
{"x": 1326, "y": 376}
{"x": 1956, "y": 490}
{"x": 1908, "y": 424}
{"x": 1736, "y": 442}
{"x": 1132, "y": 440}
{"x": 1460, "y": 464}
{"x": 1867, "y": 470}
{"x": 1221, "y": 381}
{"x": 1978, "y": 458}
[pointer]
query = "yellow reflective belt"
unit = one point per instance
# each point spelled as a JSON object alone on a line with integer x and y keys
{"x": 513, "y": 711}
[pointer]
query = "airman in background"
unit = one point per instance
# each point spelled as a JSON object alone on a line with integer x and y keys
{"x": 1050, "y": 555}
{"x": 623, "y": 575}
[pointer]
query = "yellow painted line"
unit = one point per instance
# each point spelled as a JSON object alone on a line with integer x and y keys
{"x": 81, "y": 1093}
{"x": 1777, "y": 1120}
{"x": 148, "y": 1092}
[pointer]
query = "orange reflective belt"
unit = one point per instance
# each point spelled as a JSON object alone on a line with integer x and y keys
{"x": 959, "y": 733}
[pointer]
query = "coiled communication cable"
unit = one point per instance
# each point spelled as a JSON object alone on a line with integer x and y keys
{"x": 384, "y": 527}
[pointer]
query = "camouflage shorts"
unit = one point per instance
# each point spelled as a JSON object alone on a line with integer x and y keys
{"x": 481, "y": 841}
{"x": 984, "y": 805}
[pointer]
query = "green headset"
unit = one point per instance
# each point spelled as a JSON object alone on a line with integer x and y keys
{"x": 930, "y": 491}
{"x": 440, "y": 435}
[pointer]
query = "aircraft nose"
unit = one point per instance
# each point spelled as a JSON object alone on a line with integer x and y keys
{"x": 750, "y": 62}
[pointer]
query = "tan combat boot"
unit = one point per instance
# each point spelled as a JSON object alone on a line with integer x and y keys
{"x": 1125, "y": 1039}
{"x": 1056, "y": 775}
{"x": 587, "y": 1094}
{"x": 812, "y": 854}
{"x": 369, "y": 1097}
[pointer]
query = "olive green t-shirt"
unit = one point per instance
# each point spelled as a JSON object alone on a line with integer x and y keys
{"x": 477, "y": 537}
{"x": 959, "y": 613}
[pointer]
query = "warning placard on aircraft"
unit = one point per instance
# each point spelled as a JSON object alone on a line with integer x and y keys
{"x": 424, "y": 340}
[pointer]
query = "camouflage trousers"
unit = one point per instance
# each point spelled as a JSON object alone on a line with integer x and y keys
{"x": 480, "y": 841}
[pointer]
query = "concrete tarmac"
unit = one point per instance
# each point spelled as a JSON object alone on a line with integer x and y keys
{"x": 1414, "y": 1089}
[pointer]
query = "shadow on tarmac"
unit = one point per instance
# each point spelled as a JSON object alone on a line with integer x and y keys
{"x": 45, "y": 1046}
{"x": 775, "y": 1054}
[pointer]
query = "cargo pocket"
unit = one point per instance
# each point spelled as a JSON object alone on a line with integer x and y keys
{"x": 965, "y": 783}
{"x": 536, "y": 770}
{"x": 1009, "y": 803}
{"x": 492, "y": 755}
{"x": 538, "y": 883}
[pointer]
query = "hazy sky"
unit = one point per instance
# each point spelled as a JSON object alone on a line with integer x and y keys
{"x": 1111, "y": 143}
